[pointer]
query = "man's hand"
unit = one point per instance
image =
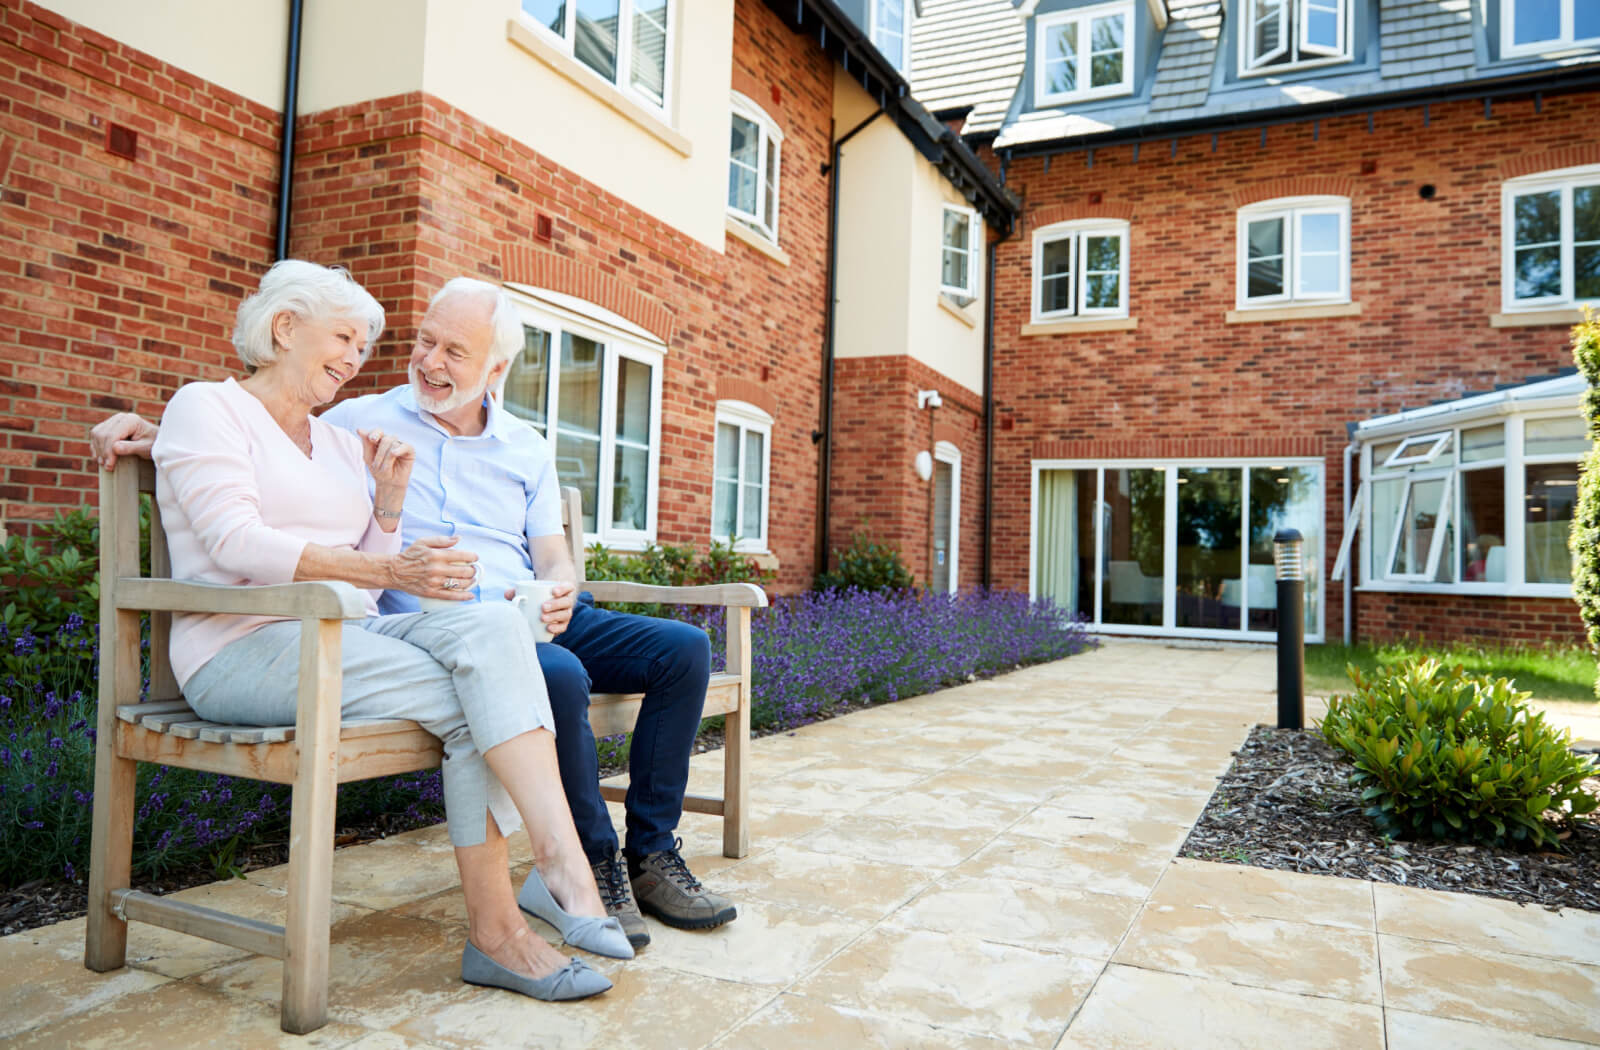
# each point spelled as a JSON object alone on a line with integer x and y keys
{"x": 557, "y": 612}
{"x": 123, "y": 434}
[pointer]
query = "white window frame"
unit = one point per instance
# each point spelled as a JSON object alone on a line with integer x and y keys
{"x": 974, "y": 234}
{"x": 1292, "y": 40}
{"x": 770, "y": 134}
{"x": 746, "y": 418}
{"x": 566, "y": 39}
{"x": 945, "y": 452}
{"x": 902, "y": 61}
{"x": 1564, "y": 180}
{"x": 1085, "y": 16}
{"x": 1509, "y": 48}
{"x": 1171, "y": 467}
{"x": 1512, "y": 466}
{"x": 555, "y": 313}
{"x": 1292, "y": 210}
{"x": 1078, "y": 230}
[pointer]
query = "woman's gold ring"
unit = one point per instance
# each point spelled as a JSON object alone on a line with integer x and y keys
{"x": 451, "y": 584}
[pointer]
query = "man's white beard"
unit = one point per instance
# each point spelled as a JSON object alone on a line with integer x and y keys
{"x": 440, "y": 405}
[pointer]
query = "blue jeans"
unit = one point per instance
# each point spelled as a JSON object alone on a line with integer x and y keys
{"x": 611, "y": 652}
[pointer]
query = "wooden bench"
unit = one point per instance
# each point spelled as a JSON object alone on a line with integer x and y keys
{"x": 314, "y": 755}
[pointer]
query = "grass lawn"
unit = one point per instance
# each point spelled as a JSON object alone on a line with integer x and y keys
{"x": 1548, "y": 673}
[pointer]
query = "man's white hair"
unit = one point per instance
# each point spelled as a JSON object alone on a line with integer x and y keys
{"x": 505, "y": 323}
{"x": 309, "y": 291}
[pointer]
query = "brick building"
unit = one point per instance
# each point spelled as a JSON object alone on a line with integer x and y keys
{"x": 675, "y": 288}
{"x": 1313, "y": 268}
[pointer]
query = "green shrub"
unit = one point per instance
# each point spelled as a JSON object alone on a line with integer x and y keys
{"x": 1584, "y": 538}
{"x": 1442, "y": 753}
{"x": 672, "y": 566}
{"x": 48, "y": 581}
{"x": 868, "y": 566}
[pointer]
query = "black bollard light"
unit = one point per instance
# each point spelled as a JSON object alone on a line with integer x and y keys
{"x": 1286, "y": 548}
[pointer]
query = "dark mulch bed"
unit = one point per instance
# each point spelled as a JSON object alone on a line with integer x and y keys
{"x": 1286, "y": 803}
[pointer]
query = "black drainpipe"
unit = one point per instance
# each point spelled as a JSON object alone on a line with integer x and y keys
{"x": 988, "y": 425}
{"x": 825, "y": 435}
{"x": 291, "y": 96}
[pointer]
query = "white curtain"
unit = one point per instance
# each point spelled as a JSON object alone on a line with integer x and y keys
{"x": 1058, "y": 538}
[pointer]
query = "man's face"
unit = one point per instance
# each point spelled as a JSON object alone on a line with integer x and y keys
{"x": 450, "y": 363}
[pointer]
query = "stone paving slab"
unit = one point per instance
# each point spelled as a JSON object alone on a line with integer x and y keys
{"x": 988, "y": 866}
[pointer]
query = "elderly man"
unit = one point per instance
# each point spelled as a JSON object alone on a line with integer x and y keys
{"x": 489, "y": 478}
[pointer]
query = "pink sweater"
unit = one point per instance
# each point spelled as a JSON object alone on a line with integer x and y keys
{"x": 240, "y": 501}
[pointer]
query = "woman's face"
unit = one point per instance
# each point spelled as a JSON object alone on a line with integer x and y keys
{"x": 321, "y": 355}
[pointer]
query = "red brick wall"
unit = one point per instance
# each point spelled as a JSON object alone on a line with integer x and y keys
{"x": 1426, "y": 273}
{"x": 878, "y": 432}
{"x": 1473, "y": 618}
{"x": 118, "y": 278}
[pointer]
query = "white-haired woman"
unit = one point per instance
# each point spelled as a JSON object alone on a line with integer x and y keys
{"x": 254, "y": 489}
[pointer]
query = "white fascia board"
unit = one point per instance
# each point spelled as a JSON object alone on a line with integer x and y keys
{"x": 1158, "y": 11}
{"x": 1548, "y": 393}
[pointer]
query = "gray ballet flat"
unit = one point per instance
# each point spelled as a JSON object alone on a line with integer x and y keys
{"x": 601, "y": 936}
{"x": 573, "y": 981}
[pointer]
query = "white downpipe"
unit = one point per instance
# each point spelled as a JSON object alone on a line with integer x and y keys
{"x": 1349, "y": 570}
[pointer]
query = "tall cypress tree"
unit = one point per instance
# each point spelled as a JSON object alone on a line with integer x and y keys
{"x": 1584, "y": 540}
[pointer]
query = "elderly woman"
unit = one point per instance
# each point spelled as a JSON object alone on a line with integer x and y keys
{"x": 254, "y": 489}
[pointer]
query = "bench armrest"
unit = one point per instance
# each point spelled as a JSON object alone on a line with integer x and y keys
{"x": 731, "y": 594}
{"x": 320, "y": 599}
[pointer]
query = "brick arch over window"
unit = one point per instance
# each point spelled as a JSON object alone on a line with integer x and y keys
{"x": 539, "y": 269}
{"x": 734, "y": 388}
{"x": 759, "y": 93}
{"x": 1295, "y": 186}
{"x": 1570, "y": 157}
{"x": 950, "y": 433}
{"x": 1068, "y": 212}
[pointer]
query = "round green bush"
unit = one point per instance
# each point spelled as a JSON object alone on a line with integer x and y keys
{"x": 1445, "y": 754}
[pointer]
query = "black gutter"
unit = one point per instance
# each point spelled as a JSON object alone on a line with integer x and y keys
{"x": 291, "y": 98}
{"x": 1543, "y": 82}
{"x": 825, "y": 467}
{"x": 845, "y": 42}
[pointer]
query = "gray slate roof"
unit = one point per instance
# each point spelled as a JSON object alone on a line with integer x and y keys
{"x": 967, "y": 53}
{"x": 1422, "y": 44}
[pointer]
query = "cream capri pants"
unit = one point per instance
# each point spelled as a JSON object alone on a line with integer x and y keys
{"x": 469, "y": 676}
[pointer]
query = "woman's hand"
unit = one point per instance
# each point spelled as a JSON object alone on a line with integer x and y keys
{"x": 123, "y": 434}
{"x": 429, "y": 568}
{"x": 389, "y": 460}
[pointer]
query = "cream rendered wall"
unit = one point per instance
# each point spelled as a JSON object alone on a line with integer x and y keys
{"x": 874, "y": 229}
{"x": 891, "y": 204}
{"x": 355, "y": 50}
{"x": 243, "y": 51}
{"x": 469, "y": 63}
{"x": 937, "y": 337}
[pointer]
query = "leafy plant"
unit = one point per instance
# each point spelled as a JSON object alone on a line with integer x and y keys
{"x": 1584, "y": 538}
{"x": 672, "y": 566}
{"x": 866, "y": 565}
{"x": 1442, "y": 753}
{"x": 48, "y": 582}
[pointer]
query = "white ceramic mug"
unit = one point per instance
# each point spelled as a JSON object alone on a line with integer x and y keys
{"x": 530, "y": 598}
{"x": 436, "y": 604}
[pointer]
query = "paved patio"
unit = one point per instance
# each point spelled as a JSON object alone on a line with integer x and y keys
{"x": 986, "y": 866}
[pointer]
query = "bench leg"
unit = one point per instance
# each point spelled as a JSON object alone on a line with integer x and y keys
{"x": 311, "y": 826}
{"x": 110, "y": 855}
{"x": 736, "y": 741}
{"x": 105, "y": 944}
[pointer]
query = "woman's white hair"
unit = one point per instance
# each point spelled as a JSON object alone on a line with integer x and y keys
{"x": 309, "y": 291}
{"x": 505, "y": 323}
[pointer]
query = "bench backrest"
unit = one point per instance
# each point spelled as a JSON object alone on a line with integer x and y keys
{"x": 119, "y": 527}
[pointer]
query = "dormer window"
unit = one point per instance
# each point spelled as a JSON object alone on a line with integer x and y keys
{"x": 890, "y": 33}
{"x": 1084, "y": 53}
{"x": 1282, "y": 34}
{"x": 1532, "y": 27}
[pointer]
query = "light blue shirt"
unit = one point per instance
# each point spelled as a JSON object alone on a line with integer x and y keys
{"x": 495, "y": 490}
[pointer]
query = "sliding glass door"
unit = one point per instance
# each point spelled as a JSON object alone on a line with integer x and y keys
{"x": 1175, "y": 548}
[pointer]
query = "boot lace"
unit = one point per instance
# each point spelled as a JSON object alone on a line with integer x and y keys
{"x": 611, "y": 879}
{"x": 673, "y": 867}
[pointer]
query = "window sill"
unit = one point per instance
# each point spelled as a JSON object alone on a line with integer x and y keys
{"x": 1491, "y": 590}
{"x": 1292, "y": 312}
{"x": 1564, "y": 315}
{"x": 763, "y": 558}
{"x": 530, "y": 41}
{"x": 1091, "y": 324}
{"x": 757, "y": 241}
{"x": 952, "y": 306}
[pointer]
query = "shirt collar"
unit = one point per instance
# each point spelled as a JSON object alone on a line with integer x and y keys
{"x": 496, "y": 425}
